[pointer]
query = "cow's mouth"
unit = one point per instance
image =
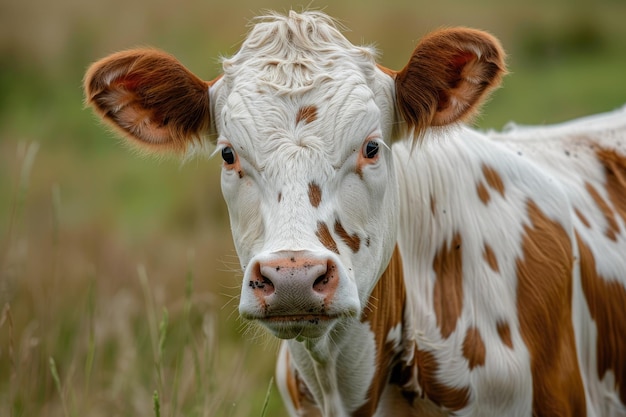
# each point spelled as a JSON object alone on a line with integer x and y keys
{"x": 298, "y": 325}
{"x": 310, "y": 318}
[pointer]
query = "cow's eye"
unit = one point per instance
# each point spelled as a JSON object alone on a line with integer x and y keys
{"x": 228, "y": 155}
{"x": 370, "y": 150}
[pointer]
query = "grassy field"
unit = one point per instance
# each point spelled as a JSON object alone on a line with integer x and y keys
{"x": 118, "y": 277}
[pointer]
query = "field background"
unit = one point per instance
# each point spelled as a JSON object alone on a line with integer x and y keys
{"x": 118, "y": 277}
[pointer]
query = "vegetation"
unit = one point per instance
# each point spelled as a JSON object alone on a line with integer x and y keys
{"x": 118, "y": 277}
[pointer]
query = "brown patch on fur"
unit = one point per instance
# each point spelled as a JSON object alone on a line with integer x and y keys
{"x": 353, "y": 241}
{"x": 306, "y": 114}
{"x": 150, "y": 98}
{"x": 615, "y": 171}
{"x": 433, "y": 205}
{"x": 425, "y": 369}
{"x": 606, "y": 300}
{"x": 359, "y": 171}
{"x": 504, "y": 331}
{"x": 474, "y": 348}
{"x": 448, "y": 290}
{"x": 482, "y": 192}
{"x": 452, "y": 398}
{"x": 493, "y": 179}
{"x": 292, "y": 382}
{"x": 309, "y": 406}
{"x": 582, "y": 218}
{"x": 323, "y": 234}
{"x": 445, "y": 79}
{"x": 490, "y": 258}
{"x": 315, "y": 194}
{"x": 280, "y": 197}
{"x": 384, "y": 311}
{"x": 612, "y": 229}
{"x": 544, "y": 304}
{"x": 299, "y": 393}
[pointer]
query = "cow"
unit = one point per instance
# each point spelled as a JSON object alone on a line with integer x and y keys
{"x": 412, "y": 265}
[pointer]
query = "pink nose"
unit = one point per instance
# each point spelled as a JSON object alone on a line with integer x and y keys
{"x": 294, "y": 283}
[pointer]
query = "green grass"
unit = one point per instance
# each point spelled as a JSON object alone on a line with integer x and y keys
{"x": 118, "y": 277}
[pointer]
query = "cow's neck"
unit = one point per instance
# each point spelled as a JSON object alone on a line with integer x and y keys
{"x": 348, "y": 370}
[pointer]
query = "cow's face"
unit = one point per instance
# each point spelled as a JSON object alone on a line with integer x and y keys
{"x": 310, "y": 188}
{"x": 304, "y": 122}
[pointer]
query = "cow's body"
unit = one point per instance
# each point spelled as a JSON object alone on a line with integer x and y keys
{"x": 462, "y": 346}
{"x": 451, "y": 273}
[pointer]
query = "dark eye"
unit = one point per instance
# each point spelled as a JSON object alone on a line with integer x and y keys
{"x": 228, "y": 155}
{"x": 370, "y": 150}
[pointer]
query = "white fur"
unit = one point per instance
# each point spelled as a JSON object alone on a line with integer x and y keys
{"x": 302, "y": 59}
{"x": 448, "y": 169}
{"x": 278, "y": 70}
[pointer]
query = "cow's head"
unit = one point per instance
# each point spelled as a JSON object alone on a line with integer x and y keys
{"x": 304, "y": 121}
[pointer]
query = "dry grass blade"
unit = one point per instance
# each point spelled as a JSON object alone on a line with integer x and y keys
{"x": 57, "y": 382}
{"x": 8, "y": 318}
{"x": 267, "y": 397}
{"x": 156, "y": 404}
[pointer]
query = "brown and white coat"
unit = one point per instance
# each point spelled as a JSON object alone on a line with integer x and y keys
{"x": 413, "y": 265}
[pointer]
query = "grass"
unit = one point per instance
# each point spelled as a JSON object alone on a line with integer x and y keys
{"x": 118, "y": 277}
{"x": 89, "y": 330}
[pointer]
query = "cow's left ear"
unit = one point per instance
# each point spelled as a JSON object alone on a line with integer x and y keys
{"x": 448, "y": 76}
{"x": 150, "y": 98}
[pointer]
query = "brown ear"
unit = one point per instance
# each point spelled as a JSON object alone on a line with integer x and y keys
{"x": 449, "y": 74}
{"x": 150, "y": 97}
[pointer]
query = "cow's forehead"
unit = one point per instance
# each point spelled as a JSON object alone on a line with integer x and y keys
{"x": 333, "y": 120}
{"x": 297, "y": 82}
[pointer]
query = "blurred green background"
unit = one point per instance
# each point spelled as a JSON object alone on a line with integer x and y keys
{"x": 118, "y": 277}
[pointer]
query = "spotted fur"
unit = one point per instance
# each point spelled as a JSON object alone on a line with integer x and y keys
{"x": 443, "y": 272}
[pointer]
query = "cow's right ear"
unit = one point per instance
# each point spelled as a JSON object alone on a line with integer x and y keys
{"x": 150, "y": 98}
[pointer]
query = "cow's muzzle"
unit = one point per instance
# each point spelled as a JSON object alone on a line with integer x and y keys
{"x": 297, "y": 294}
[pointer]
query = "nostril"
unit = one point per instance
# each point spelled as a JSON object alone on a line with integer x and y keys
{"x": 321, "y": 282}
{"x": 260, "y": 283}
{"x": 327, "y": 281}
